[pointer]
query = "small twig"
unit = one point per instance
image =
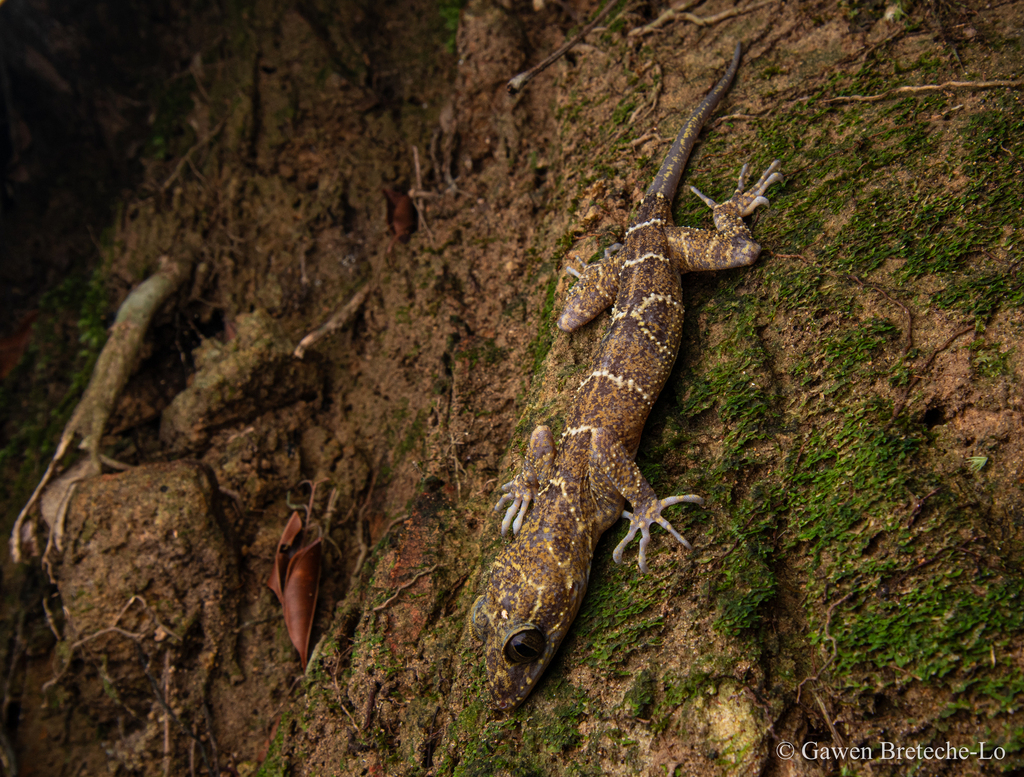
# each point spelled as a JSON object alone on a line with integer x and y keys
{"x": 364, "y": 549}
{"x": 348, "y": 715}
{"x": 402, "y": 587}
{"x": 213, "y": 738}
{"x": 898, "y": 408}
{"x": 458, "y": 465}
{"x": 919, "y": 504}
{"x": 518, "y": 82}
{"x": 828, "y": 719}
{"x": 925, "y": 88}
{"x": 308, "y": 506}
{"x": 680, "y": 11}
{"x": 187, "y": 159}
{"x": 195, "y": 69}
{"x": 113, "y": 629}
{"x": 371, "y": 700}
{"x": 200, "y": 176}
{"x": 830, "y": 638}
{"x": 8, "y": 758}
{"x": 339, "y": 320}
{"x": 50, "y": 621}
{"x": 328, "y": 515}
{"x": 649, "y": 135}
{"x": 109, "y": 630}
{"x": 664, "y": 18}
{"x": 389, "y": 527}
{"x": 418, "y": 192}
{"x": 213, "y": 767}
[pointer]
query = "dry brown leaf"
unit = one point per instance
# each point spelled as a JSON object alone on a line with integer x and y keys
{"x": 401, "y": 215}
{"x": 300, "y": 592}
{"x": 295, "y": 578}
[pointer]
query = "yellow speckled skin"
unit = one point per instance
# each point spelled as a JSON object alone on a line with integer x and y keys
{"x": 578, "y": 490}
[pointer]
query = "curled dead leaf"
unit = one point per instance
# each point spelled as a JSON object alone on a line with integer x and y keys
{"x": 300, "y": 593}
{"x": 401, "y": 215}
{"x": 279, "y": 572}
{"x": 295, "y": 579}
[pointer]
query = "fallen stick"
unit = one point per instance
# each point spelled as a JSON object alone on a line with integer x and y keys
{"x": 337, "y": 321}
{"x": 515, "y": 85}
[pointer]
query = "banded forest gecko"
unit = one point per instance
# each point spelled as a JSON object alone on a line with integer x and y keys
{"x": 578, "y": 490}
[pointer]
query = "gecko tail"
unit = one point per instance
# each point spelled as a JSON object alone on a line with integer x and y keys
{"x": 667, "y": 180}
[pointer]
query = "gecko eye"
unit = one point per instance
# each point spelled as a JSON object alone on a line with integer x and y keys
{"x": 525, "y": 645}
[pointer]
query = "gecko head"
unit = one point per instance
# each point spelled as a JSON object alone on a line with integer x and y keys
{"x": 521, "y": 622}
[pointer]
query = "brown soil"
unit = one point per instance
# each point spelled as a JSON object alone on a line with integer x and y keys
{"x": 162, "y": 650}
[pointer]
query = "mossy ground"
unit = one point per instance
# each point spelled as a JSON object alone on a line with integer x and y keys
{"x": 804, "y": 408}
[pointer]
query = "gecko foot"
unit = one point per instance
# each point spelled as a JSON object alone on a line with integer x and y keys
{"x": 746, "y": 202}
{"x": 643, "y": 519}
{"x": 613, "y": 249}
{"x": 537, "y": 469}
{"x": 609, "y": 252}
{"x": 518, "y": 495}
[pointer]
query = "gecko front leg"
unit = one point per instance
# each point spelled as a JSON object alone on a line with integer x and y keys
{"x": 537, "y": 469}
{"x": 731, "y": 245}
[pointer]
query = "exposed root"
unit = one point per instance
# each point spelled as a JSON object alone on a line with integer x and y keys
{"x": 680, "y": 11}
{"x": 925, "y": 89}
{"x": 402, "y": 587}
{"x": 113, "y": 368}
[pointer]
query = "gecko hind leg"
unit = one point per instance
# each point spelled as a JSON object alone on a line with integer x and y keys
{"x": 612, "y": 467}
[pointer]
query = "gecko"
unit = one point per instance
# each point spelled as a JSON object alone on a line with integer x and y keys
{"x": 578, "y": 489}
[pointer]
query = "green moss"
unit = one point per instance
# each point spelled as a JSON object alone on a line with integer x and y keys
{"x": 559, "y": 731}
{"x": 541, "y": 344}
{"x": 847, "y": 353}
{"x": 171, "y": 135}
{"x": 615, "y": 619}
{"x": 494, "y": 749}
{"x": 640, "y": 696}
{"x": 989, "y": 361}
{"x": 746, "y": 586}
{"x": 623, "y": 111}
{"x": 275, "y": 764}
{"x": 484, "y": 351}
